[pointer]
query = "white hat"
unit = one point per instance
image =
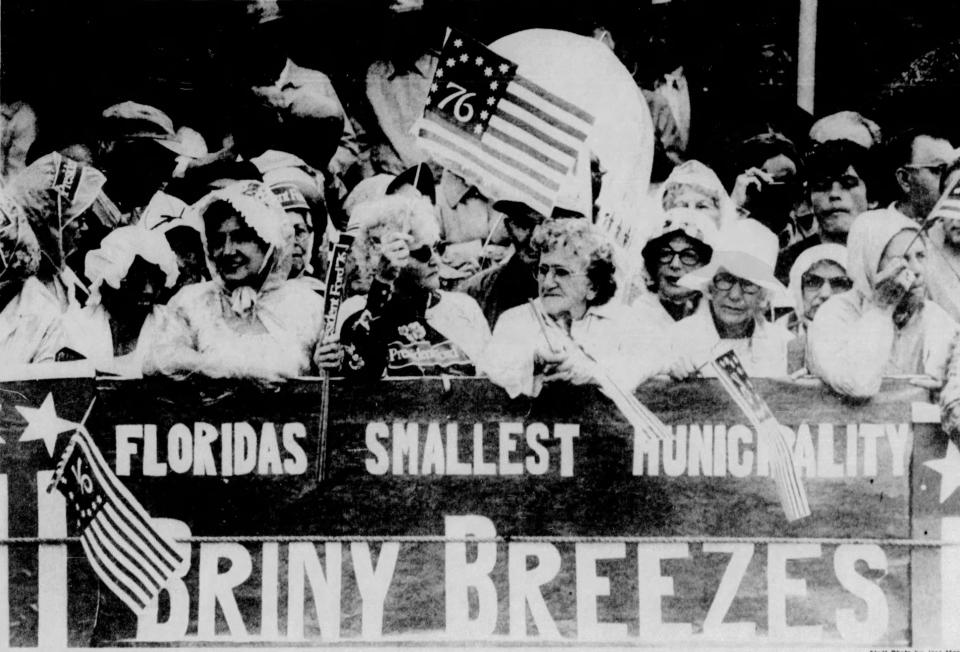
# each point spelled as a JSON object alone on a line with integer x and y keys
{"x": 748, "y": 250}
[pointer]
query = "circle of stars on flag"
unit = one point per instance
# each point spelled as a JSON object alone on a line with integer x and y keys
{"x": 467, "y": 85}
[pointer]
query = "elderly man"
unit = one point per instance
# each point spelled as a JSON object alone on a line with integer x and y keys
{"x": 514, "y": 281}
{"x": 917, "y": 159}
{"x": 943, "y": 263}
{"x": 737, "y": 282}
{"x": 885, "y": 325}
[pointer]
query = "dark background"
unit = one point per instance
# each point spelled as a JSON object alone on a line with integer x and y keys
{"x": 70, "y": 60}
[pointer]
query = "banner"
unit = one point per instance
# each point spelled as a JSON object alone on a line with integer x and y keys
{"x": 450, "y": 514}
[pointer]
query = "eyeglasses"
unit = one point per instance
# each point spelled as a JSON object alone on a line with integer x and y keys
{"x": 424, "y": 253}
{"x": 559, "y": 273}
{"x": 725, "y": 283}
{"x": 936, "y": 168}
{"x": 836, "y": 283}
{"x": 687, "y": 256}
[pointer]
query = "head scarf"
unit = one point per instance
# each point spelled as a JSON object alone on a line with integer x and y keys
{"x": 19, "y": 250}
{"x": 810, "y": 257}
{"x": 111, "y": 262}
{"x": 698, "y": 176}
{"x": 870, "y": 234}
{"x": 53, "y": 192}
{"x": 260, "y": 210}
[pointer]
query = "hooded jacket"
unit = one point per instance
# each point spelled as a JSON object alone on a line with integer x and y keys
{"x": 264, "y": 332}
{"x": 696, "y": 175}
{"x": 853, "y": 341}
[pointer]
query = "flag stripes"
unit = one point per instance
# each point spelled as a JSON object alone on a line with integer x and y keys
{"x": 502, "y": 131}
{"x": 559, "y": 102}
{"x": 783, "y": 468}
{"x": 503, "y": 157}
{"x": 123, "y": 547}
{"x": 467, "y": 164}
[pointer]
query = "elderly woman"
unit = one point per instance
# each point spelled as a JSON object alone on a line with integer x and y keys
{"x": 249, "y": 321}
{"x": 573, "y": 332}
{"x": 406, "y": 325}
{"x": 818, "y": 274}
{"x": 693, "y": 185}
{"x": 29, "y": 313}
{"x": 683, "y": 244}
{"x": 737, "y": 283}
{"x": 885, "y": 325}
{"x": 128, "y": 275}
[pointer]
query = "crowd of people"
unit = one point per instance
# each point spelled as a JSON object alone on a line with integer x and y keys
{"x": 145, "y": 252}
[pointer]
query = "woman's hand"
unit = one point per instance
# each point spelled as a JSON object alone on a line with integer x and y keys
{"x": 892, "y": 284}
{"x": 569, "y": 366}
{"x": 753, "y": 178}
{"x": 395, "y": 248}
{"x": 328, "y": 355}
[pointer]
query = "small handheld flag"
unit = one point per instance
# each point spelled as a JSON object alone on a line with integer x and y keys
{"x": 125, "y": 550}
{"x": 783, "y": 468}
{"x": 499, "y": 130}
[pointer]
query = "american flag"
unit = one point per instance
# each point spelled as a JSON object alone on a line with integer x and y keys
{"x": 783, "y": 467}
{"x": 123, "y": 547}
{"x": 498, "y": 129}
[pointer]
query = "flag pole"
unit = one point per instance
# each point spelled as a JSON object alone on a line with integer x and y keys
{"x": 333, "y": 298}
{"x": 61, "y": 465}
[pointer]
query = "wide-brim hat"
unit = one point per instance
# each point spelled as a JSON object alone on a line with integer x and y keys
{"x": 420, "y": 177}
{"x": 518, "y": 210}
{"x": 746, "y": 249}
{"x": 689, "y": 222}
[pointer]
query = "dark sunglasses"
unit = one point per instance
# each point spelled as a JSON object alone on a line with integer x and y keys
{"x": 424, "y": 253}
{"x": 815, "y": 282}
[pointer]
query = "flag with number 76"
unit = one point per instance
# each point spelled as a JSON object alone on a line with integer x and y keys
{"x": 502, "y": 132}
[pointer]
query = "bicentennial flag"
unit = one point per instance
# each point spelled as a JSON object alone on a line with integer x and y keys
{"x": 498, "y": 129}
{"x": 122, "y": 545}
{"x": 783, "y": 467}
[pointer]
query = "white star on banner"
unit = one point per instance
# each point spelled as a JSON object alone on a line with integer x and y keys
{"x": 493, "y": 85}
{"x": 483, "y": 115}
{"x": 463, "y": 58}
{"x": 504, "y": 68}
{"x": 440, "y": 72}
{"x": 490, "y": 101}
{"x": 949, "y": 470}
{"x": 433, "y": 88}
{"x": 479, "y": 61}
{"x": 487, "y": 71}
{"x": 451, "y": 62}
{"x": 477, "y": 129}
{"x": 457, "y": 43}
{"x": 43, "y": 423}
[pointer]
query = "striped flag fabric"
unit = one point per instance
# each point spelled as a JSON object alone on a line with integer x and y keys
{"x": 783, "y": 467}
{"x": 498, "y": 129}
{"x": 122, "y": 545}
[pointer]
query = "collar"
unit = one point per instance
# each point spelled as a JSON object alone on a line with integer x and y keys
{"x": 285, "y": 74}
